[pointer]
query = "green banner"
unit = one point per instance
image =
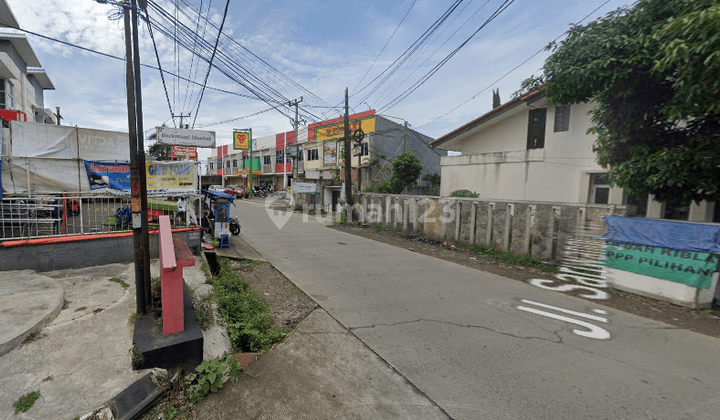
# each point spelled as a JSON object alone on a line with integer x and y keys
{"x": 692, "y": 268}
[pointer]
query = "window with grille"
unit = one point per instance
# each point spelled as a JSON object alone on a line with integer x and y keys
{"x": 279, "y": 154}
{"x": 364, "y": 149}
{"x": 7, "y": 94}
{"x": 536, "y": 129}
{"x": 267, "y": 160}
{"x": 312, "y": 154}
{"x": 562, "y": 118}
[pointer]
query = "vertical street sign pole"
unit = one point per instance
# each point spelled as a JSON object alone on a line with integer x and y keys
{"x": 134, "y": 172}
{"x": 348, "y": 175}
{"x": 250, "y": 142}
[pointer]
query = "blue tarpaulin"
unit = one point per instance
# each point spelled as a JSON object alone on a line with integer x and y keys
{"x": 681, "y": 236}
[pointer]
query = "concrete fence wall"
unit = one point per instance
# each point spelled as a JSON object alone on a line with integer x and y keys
{"x": 521, "y": 227}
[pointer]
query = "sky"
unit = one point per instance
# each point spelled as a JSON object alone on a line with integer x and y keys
{"x": 283, "y": 49}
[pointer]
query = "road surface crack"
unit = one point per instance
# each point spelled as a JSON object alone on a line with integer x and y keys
{"x": 481, "y": 327}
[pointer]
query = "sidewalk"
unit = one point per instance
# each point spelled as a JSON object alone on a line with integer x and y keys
{"x": 79, "y": 357}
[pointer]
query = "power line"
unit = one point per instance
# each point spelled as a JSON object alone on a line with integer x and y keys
{"x": 386, "y": 44}
{"x": 202, "y": 92}
{"x": 516, "y": 67}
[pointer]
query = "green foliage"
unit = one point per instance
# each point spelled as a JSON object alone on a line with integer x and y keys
{"x": 406, "y": 170}
{"x": 134, "y": 317}
{"x": 120, "y": 282}
{"x": 380, "y": 226}
{"x": 382, "y": 187}
{"x": 203, "y": 311}
{"x": 25, "y": 402}
{"x": 530, "y": 261}
{"x": 246, "y": 316}
{"x": 464, "y": 193}
{"x": 159, "y": 322}
{"x": 496, "y": 98}
{"x": 66, "y": 303}
{"x": 210, "y": 376}
{"x": 433, "y": 179}
{"x": 654, "y": 72}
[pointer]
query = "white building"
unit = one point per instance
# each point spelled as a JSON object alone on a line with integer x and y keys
{"x": 529, "y": 150}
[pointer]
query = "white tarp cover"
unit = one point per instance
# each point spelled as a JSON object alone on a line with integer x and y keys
{"x": 57, "y": 141}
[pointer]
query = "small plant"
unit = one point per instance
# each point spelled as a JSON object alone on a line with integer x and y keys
{"x": 204, "y": 312}
{"x": 159, "y": 322}
{"x": 49, "y": 378}
{"x": 136, "y": 357}
{"x": 530, "y": 261}
{"x": 65, "y": 304}
{"x": 30, "y": 338}
{"x": 210, "y": 376}
{"x": 380, "y": 226}
{"x": 464, "y": 193}
{"x": 120, "y": 282}
{"x": 127, "y": 262}
{"x": 205, "y": 269}
{"x": 134, "y": 317}
{"x": 25, "y": 402}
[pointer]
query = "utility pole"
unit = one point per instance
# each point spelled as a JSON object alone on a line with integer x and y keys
{"x": 405, "y": 137}
{"x": 348, "y": 174}
{"x": 295, "y": 103}
{"x": 137, "y": 161}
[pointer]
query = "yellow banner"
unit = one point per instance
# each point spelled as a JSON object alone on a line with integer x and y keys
{"x": 170, "y": 176}
{"x": 335, "y": 131}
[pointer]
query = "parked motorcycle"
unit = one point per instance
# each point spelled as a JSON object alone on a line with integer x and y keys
{"x": 234, "y": 225}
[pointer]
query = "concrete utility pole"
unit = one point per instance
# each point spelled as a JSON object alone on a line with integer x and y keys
{"x": 348, "y": 174}
{"x": 291, "y": 103}
{"x": 405, "y": 137}
{"x": 138, "y": 185}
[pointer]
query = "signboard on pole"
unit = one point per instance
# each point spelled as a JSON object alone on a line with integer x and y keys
{"x": 242, "y": 139}
{"x": 304, "y": 187}
{"x": 182, "y": 152}
{"x": 185, "y": 137}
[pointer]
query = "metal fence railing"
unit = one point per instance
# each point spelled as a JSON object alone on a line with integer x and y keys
{"x": 47, "y": 215}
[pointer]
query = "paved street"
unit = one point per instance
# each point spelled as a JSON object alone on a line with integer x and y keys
{"x": 458, "y": 336}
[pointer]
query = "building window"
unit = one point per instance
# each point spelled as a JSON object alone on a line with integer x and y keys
{"x": 536, "y": 129}
{"x": 312, "y": 154}
{"x": 266, "y": 160}
{"x": 364, "y": 149}
{"x": 599, "y": 189}
{"x": 227, "y": 164}
{"x": 637, "y": 207}
{"x": 300, "y": 155}
{"x": 279, "y": 154}
{"x": 562, "y": 118}
{"x": 7, "y": 94}
{"x": 234, "y": 163}
{"x": 210, "y": 165}
{"x": 676, "y": 211}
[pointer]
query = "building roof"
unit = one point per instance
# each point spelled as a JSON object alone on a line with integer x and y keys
{"x": 7, "y": 18}
{"x": 41, "y": 77}
{"x": 23, "y": 47}
{"x": 494, "y": 113}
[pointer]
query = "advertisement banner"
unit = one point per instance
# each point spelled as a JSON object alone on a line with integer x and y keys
{"x": 112, "y": 175}
{"x": 336, "y": 131}
{"x": 181, "y": 152}
{"x": 242, "y": 139}
{"x": 116, "y": 175}
{"x": 170, "y": 176}
{"x": 687, "y": 267}
{"x": 330, "y": 153}
{"x": 304, "y": 187}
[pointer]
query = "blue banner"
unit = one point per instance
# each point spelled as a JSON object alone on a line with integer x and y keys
{"x": 112, "y": 175}
{"x": 683, "y": 236}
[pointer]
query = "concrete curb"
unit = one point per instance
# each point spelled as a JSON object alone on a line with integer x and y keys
{"x": 135, "y": 399}
{"x": 15, "y": 342}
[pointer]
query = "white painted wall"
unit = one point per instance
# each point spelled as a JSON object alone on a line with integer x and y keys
{"x": 502, "y": 168}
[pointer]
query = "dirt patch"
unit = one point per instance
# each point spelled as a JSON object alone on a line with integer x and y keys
{"x": 705, "y": 322}
{"x": 288, "y": 304}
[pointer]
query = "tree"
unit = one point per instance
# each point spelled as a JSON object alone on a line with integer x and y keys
{"x": 406, "y": 170}
{"x": 654, "y": 72}
{"x": 157, "y": 150}
{"x": 496, "y": 98}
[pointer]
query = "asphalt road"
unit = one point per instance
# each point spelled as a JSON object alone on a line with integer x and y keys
{"x": 482, "y": 346}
